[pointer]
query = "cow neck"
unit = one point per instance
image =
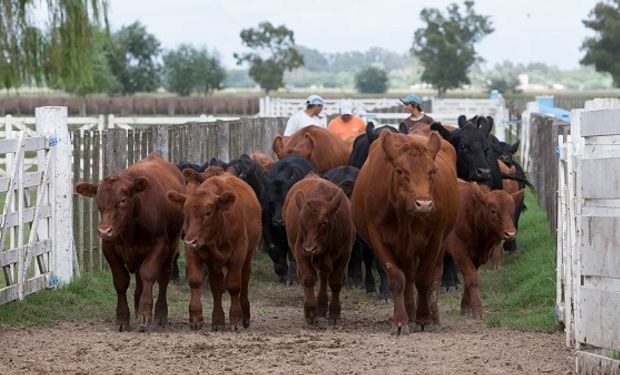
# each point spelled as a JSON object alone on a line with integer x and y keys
{"x": 221, "y": 241}
{"x": 477, "y": 221}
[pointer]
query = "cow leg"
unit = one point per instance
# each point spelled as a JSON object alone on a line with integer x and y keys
{"x": 384, "y": 287}
{"x": 435, "y": 293}
{"x": 471, "y": 296}
{"x": 233, "y": 285}
{"x": 161, "y": 306}
{"x": 137, "y": 293}
{"x": 307, "y": 277}
{"x": 176, "y": 275}
{"x": 150, "y": 270}
{"x": 368, "y": 257}
{"x": 355, "y": 265}
{"x": 450, "y": 276}
{"x": 336, "y": 278}
{"x": 120, "y": 278}
{"x": 245, "y": 281}
{"x": 216, "y": 281}
{"x": 195, "y": 278}
{"x": 424, "y": 280}
{"x": 322, "y": 298}
{"x": 410, "y": 297}
{"x": 396, "y": 279}
{"x": 292, "y": 269}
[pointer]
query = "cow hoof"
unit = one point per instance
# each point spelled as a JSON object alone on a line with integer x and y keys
{"x": 417, "y": 327}
{"x": 143, "y": 324}
{"x": 124, "y": 326}
{"x": 399, "y": 330}
{"x": 218, "y": 327}
{"x": 246, "y": 323}
{"x": 312, "y": 321}
{"x": 196, "y": 326}
{"x": 162, "y": 321}
{"x": 385, "y": 295}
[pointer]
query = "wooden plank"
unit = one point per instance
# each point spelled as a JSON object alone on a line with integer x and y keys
{"x": 604, "y": 122}
{"x": 35, "y": 284}
{"x": 76, "y": 136}
{"x": 95, "y": 243}
{"x": 601, "y": 178}
{"x": 143, "y": 144}
{"x": 12, "y": 256}
{"x": 8, "y": 294}
{"x": 130, "y": 147}
{"x": 12, "y": 219}
{"x": 598, "y": 322}
{"x": 30, "y": 144}
{"x": 600, "y": 244}
{"x": 87, "y": 205}
{"x": 593, "y": 364}
{"x": 30, "y": 179}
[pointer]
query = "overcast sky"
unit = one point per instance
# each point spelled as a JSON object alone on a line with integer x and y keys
{"x": 548, "y": 31}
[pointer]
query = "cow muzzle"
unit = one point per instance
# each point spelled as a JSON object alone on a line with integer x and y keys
{"x": 422, "y": 206}
{"x": 190, "y": 243}
{"x": 509, "y": 235}
{"x": 483, "y": 173}
{"x": 104, "y": 232}
{"x": 311, "y": 249}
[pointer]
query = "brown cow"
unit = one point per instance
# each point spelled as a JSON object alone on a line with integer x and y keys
{"x": 404, "y": 204}
{"x": 265, "y": 161}
{"x": 323, "y": 148}
{"x": 485, "y": 218}
{"x": 320, "y": 234}
{"x": 140, "y": 232}
{"x": 222, "y": 229}
{"x": 193, "y": 179}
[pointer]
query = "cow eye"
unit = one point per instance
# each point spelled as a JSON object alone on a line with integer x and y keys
{"x": 123, "y": 201}
{"x": 493, "y": 211}
{"x": 398, "y": 171}
{"x": 324, "y": 224}
{"x": 432, "y": 172}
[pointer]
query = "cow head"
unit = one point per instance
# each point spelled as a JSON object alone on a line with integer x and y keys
{"x": 203, "y": 211}
{"x": 414, "y": 170}
{"x": 243, "y": 167}
{"x": 279, "y": 181}
{"x": 115, "y": 197}
{"x": 498, "y": 210}
{"x": 505, "y": 152}
{"x": 193, "y": 179}
{"x": 316, "y": 218}
{"x": 472, "y": 146}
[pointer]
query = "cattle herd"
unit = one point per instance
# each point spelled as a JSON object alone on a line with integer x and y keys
{"x": 417, "y": 207}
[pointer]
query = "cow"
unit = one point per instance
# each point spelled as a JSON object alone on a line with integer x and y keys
{"x": 222, "y": 229}
{"x": 484, "y": 219}
{"x": 139, "y": 231}
{"x": 362, "y": 142}
{"x": 323, "y": 148}
{"x": 320, "y": 234}
{"x": 404, "y": 204}
{"x": 284, "y": 174}
{"x": 265, "y": 161}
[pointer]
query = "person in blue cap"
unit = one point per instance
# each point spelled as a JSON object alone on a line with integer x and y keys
{"x": 308, "y": 116}
{"x": 417, "y": 119}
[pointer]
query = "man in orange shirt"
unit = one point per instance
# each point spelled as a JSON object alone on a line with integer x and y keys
{"x": 347, "y": 125}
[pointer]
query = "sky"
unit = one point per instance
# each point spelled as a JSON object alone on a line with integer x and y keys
{"x": 548, "y": 31}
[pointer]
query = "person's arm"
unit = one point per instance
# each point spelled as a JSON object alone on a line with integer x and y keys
{"x": 291, "y": 126}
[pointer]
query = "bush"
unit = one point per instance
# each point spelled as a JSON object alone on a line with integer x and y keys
{"x": 371, "y": 80}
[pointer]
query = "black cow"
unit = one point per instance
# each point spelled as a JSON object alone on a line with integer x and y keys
{"x": 283, "y": 175}
{"x": 362, "y": 142}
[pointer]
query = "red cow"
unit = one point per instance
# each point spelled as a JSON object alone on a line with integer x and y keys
{"x": 140, "y": 232}
{"x": 323, "y": 148}
{"x": 404, "y": 204}
{"x": 222, "y": 229}
{"x": 320, "y": 232}
{"x": 485, "y": 218}
{"x": 265, "y": 161}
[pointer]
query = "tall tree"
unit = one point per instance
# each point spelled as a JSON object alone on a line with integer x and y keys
{"x": 603, "y": 50}
{"x": 371, "y": 80}
{"x": 188, "y": 69}
{"x": 446, "y": 45}
{"x": 61, "y": 52}
{"x": 272, "y": 53}
{"x": 133, "y": 59}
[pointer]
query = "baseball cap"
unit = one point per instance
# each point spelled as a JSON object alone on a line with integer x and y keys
{"x": 315, "y": 100}
{"x": 346, "y": 107}
{"x": 411, "y": 99}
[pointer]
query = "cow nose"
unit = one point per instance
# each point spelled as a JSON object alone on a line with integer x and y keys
{"x": 103, "y": 232}
{"x": 190, "y": 243}
{"x": 424, "y": 205}
{"x": 509, "y": 235}
{"x": 310, "y": 249}
{"x": 483, "y": 173}
{"x": 278, "y": 222}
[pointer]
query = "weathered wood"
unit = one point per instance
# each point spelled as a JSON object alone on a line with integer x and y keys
{"x": 593, "y": 364}
{"x": 95, "y": 243}
{"x": 116, "y": 151}
{"x": 87, "y": 206}
{"x": 143, "y": 144}
{"x": 222, "y": 135}
{"x": 597, "y": 323}
{"x": 160, "y": 141}
{"x": 131, "y": 151}
{"x": 595, "y": 171}
{"x": 600, "y": 122}
{"x": 600, "y": 255}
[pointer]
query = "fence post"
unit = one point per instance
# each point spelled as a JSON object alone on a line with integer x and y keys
{"x": 115, "y": 151}
{"x": 222, "y": 132}
{"x": 161, "y": 141}
{"x": 51, "y": 122}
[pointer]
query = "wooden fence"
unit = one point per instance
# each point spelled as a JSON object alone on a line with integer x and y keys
{"x": 542, "y": 140}
{"x": 97, "y": 154}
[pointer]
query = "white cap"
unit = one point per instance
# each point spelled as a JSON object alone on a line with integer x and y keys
{"x": 346, "y": 107}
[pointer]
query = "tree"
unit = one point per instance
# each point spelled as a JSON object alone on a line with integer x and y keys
{"x": 188, "y": 69}
{"x": 371, "y": 80}
{"x": 272, "y": 53}
{"x": 603, "y": 50}
{"x": 61, "y": 52}
{"x": 132, "y": 55}
{"x": 446, "y": 45}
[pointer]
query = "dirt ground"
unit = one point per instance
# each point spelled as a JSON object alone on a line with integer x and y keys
{"x": 279, "y": 342}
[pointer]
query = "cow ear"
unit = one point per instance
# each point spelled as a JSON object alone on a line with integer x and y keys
{"x": 231, "y": 169}
{"x": 278, "y": 147}
{"x": 226, "y": 200}
{"x": 445, "y": 133}
{"x": 518, "y": 196}
{"x": 461, "y": 121}
{"x": 491, "y": 122}
{"x": 512, "y": 170}
{"x": 299, "y": 199}
{"x": 484, "y": 124}
{"x": 311, "y": 141}
{"x": 370, "y": 132}
{"x": 139, "y": 185}
{"x": 337, "y": 201}
{"x": 434, "y": 144}
{"x": 479, "y": 194}
{"x": 86, "y": 189}
{"x": 389, "y": 146}
{"x": 347, "y": 186}
{"x": 514, "y": 148}
{"x": 193, "y": 176}
{"x": 403, "y": 128}
{"x": 176, "y": 198}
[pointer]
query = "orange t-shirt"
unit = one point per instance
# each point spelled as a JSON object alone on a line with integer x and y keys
{"x": 349, "y": 129}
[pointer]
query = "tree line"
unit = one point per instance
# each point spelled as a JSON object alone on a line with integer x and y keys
{"x": 77, "y": 52}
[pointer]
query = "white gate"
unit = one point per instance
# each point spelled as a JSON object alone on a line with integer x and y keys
{"x": 36, "y": 247}
{"x": 588, "y": 294}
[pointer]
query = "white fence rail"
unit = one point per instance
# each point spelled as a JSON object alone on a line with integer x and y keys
{"x": 36, "y": 246}
{"x": 588, "y": 279}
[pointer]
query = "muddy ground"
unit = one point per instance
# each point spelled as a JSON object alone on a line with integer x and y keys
{"x": 279, "y": 342}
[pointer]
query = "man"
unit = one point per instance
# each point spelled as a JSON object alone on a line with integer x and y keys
{"x": 417, "y": 118}
{"x": 347, "y": 125}
{"x": 308, "y": 116}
